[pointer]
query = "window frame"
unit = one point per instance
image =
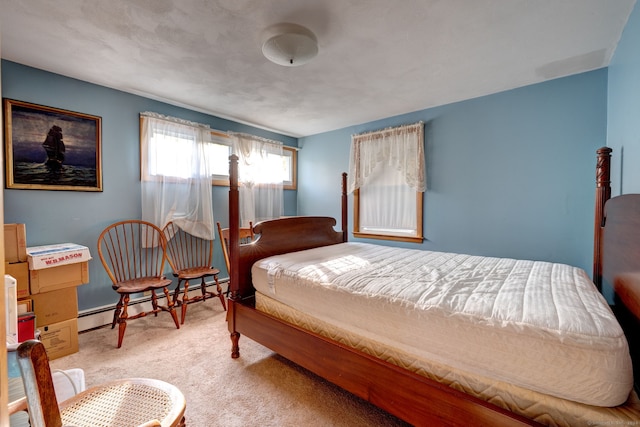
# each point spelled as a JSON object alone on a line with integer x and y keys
{"x": 292, "y": 152}
{"x": 383, "y": 164}
{"x": 222, "y": 180}
{"x": 418, "y": 238}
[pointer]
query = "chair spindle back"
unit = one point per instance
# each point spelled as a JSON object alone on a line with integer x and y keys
{"x": 185, "y": 250}
{"x": 132, "y": 249}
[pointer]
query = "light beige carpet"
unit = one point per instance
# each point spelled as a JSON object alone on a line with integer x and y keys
{"x": 258, "y": 389}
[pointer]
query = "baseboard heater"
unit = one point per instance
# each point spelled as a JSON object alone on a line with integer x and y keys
{"x": 101, "y": 316}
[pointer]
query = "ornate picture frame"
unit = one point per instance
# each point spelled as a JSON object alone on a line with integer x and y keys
{"x": 49, "y": 148}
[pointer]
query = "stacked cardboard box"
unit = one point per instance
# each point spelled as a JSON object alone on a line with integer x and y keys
{"x": 47, "y": 277}
{"x": 15, "y": 243}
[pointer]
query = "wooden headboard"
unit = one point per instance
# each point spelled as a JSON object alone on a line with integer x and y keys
{"x": 621, "y": 267}
{"x": 621, "y": 238}
{"x": 616, "y": 253}
{"x": 275, "y": 237}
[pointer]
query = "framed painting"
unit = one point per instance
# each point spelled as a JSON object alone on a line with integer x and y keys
{"x": 48, "y": 148}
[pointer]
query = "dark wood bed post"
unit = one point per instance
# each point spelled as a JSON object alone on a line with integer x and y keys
{"x": 603, "y": 193}
{"x": 234, "y": 246}
{"x": 345, "y": 219}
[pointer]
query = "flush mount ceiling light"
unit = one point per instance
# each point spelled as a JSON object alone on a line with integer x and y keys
{"x": 289, "y": 45}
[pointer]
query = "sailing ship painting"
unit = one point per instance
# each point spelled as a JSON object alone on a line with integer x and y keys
{"x": 52, "y": 149}
{"x": 54, "y": 146}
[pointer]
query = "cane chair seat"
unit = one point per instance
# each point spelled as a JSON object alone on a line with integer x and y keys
{"x": 120, "y": 403}
{"x": 127, "y": 402}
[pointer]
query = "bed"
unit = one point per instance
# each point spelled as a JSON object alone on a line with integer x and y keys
{"x": 435, "y": 384}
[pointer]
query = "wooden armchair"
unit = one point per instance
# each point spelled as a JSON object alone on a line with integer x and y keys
{"x": 190, "y": 258}
{"x": 245, "y": 234}
{"x": 128, "y": 402}
{"x": 133, "y": 254}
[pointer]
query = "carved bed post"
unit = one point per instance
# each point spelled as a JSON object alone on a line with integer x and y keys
{"x": 345, "y": 219}
{"x": 234, "y": 244}
{"x": 603, "y": 193}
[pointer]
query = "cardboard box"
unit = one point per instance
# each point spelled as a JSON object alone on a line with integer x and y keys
{"x": 55, "y": 306}
{"x": 60, "y": 339}
{"x": 15, "y": 243}
{"x": 20, "y": 272}
{"x": 49, "y": 256}
{"x": 64, "y": 276}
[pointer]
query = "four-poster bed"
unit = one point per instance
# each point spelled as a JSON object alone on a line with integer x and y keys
{"x": 388, "y": 382}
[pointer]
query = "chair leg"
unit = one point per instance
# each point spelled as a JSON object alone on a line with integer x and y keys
{"x": 220, "y": 294}
{"x": 203, "y": 289}
{"x": 170, "y": 307}
{"x": 177, "y": 301}
{"x": 122, "y": 319}
{"x": 116, "y": 312}
{"x": 154, "y": 302}
{"x": 185, "y": 302}
{"x": 176, "y": 293}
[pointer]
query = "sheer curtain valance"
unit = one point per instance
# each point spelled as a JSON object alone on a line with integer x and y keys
{"x": 176, "y": 181}
{"x": 400, "y": 148}
{"x": 260, "y": 187}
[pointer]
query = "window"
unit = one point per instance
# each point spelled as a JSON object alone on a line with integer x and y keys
{"x": 169, "y": 147}
{"x": 168, "y": 157}
{"x": 386, "y": 176}
{"x": 388, "y": 209}
{"x": 285, "y": 164}
{"x": 176, "y": 181}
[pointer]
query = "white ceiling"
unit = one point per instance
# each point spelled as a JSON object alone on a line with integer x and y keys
{"x": 377, "y": 58}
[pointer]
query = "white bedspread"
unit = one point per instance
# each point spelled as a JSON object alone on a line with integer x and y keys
{"x": 537, "y": 325}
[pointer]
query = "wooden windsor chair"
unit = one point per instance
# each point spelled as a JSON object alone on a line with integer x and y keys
{"x": 129, "y": 402}
{"x": 191, "y": 258}
{"x": 133, "y": 254}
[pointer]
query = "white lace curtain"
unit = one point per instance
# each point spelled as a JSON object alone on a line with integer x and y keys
{"x": 176, "y": 184}
{"x": 259, "y": 177}
{"x": 400, "y": 148}
{"x": 387, "y": 167}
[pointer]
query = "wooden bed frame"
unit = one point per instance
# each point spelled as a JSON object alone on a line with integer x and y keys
{"x": 409, "y": 396}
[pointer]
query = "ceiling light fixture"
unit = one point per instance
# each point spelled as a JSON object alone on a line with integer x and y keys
{"x": 289, "y": 45}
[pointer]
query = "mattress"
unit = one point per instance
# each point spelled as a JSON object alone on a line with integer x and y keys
{"x": 540, "y": 326}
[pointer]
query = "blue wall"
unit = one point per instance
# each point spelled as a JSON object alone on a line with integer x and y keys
{"x": 510, "y": 174}
{"x": 623, "y": 133}
{"x": 79, "y": 217}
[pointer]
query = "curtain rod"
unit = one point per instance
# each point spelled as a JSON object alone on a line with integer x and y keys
{"x": 259, "y": 138}
{"x": 174, "y": 119}
{"x": 390, "y": 130}
{"x": 213, "y": 131}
